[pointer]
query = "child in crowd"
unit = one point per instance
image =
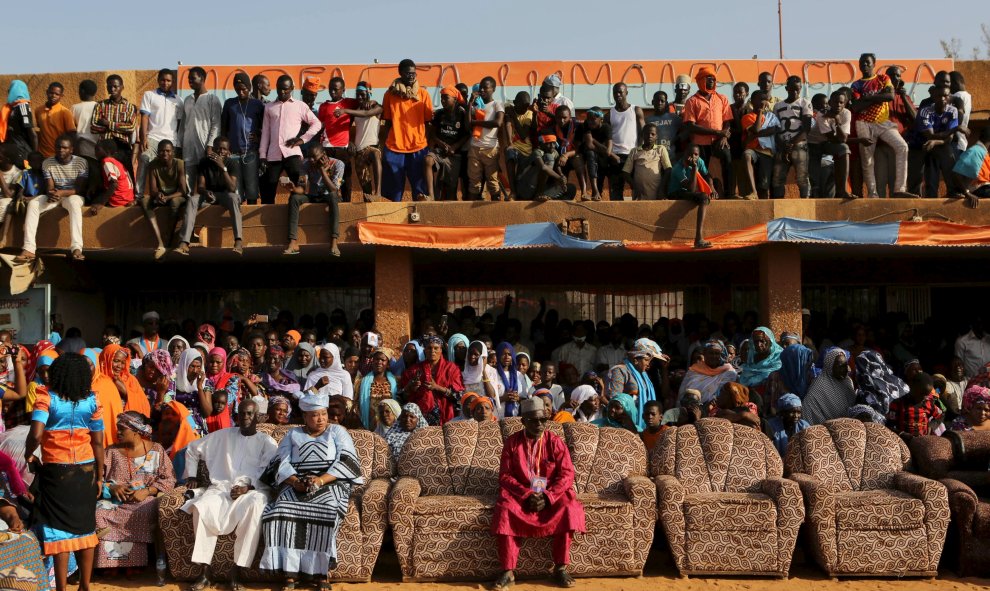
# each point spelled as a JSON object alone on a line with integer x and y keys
{"x": 519, "y": 131}
{"x": 652, "y": 415}
{"x": 972, "y": 170}
{"x": 596, "y": 138}
{"x": 835, "y": 126}
{"x": 220, "y": 419}
{"x": 647, "y": 166}
{"x": 689, "y": 179}
{"x": 919, "y": 412}
{"x": 117, "y": 189}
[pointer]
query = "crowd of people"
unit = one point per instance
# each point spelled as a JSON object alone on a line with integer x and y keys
{"x": 188, "y": 153}
{"x": 129, "y": 420}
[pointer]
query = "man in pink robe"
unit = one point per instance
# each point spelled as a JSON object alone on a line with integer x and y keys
{"x": 536, "y": 495}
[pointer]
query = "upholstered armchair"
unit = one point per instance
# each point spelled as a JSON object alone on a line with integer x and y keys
{"x": 960, "y": 461}
{"x": 723, "y": 503}
{"x": 866, "y": 514}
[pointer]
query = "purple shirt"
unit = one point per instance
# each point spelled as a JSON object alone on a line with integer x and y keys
{"x": 283, "y": 121}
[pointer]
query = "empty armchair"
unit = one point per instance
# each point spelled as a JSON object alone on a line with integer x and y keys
{"x": 866, "y": 515}
{"x": 724, "y": 506}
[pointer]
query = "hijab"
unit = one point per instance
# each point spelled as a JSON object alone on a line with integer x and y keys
{"x": 364, "y": 390}
{"x": 457, "y": 339}
{"x": 628, "y": 404}
{"x": 298, "y": 370}
{"x": 396, "y": 437}
{"x": 643, "y": 348}
{"x": 579, "y": 396}
{"x": 878, "y": 386}
{"x": 509, "y": 378}
{"x": 107, "y": 396}
{"x": 399, "y": 365}
{"x": 182, "y": 383}
{"x": 186, "y": 432}
{"x": 794, "y": 363}
{"x": 827, "y": 397}
{"x": 475, "y": 374}
{"x": 136, "y": 399}
{"x": 756, "y": 372}
{"x": 17, "y": 93}
{"x": 223, "y": 376}
{"x": 393, "y": 405}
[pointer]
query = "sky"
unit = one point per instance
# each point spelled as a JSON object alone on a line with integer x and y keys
{"x": 136, "y": 34}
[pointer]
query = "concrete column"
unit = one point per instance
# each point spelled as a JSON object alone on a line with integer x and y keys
{"x": 394, "y": 294}
{"x": 780, "y": 287}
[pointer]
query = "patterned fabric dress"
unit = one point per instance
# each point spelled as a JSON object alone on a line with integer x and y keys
{"x": 300, "y": 529}
{"x": 126, "y": 529}
{"x": 21, "y": 566}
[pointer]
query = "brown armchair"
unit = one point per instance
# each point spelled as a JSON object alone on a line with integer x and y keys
{"x": 960, "y": 461}
{"x": 441, "y": 507}
{"x": 865, "y": 514}
{"x": 359, "y": 538}
{"x": 723, "y": 503}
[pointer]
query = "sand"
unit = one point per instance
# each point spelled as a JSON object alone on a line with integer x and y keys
{"x": 660, "y": 575}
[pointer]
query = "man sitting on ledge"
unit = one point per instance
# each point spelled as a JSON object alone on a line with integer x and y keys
{"x": 536, "y": 495}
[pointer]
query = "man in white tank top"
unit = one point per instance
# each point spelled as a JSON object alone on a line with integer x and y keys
{"x": 626, "y": 122}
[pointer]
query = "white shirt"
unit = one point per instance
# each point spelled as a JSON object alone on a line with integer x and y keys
{"x": 967, "y": 108}
{"x": 489, "y": 135}
{"x": 83, "y": 114}
{"x": 582, "y": 358}
{"x": 232, "y": 457}
{"x": 560, "y": 99}
{"x": 974, "y": 352}
{"x": 200, "y": 125}
{"x": 164, "y": 115}
{"x": 610, "y": 355}
{"x": 791, "y": 117}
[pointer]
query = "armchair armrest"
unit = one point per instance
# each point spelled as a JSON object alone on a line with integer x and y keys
{"x": 786, "y": 495}
{"x": 932, "y": 455}
{"x": 963, "y": 502}
{"x": 374, "y": 507}
{"x": 670, "y": 503}
{"x": 819, "y": 510}
{"x": 401, "y": 505}
{"x": 642, "y": 493}
{"x": 935, "y": 498}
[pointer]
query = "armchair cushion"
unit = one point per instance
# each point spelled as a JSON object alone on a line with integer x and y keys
{"x": 730, "y": 512}
{"x": 889, "y": 510}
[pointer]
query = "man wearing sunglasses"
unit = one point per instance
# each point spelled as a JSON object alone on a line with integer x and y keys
{"x": 536, "y": 496}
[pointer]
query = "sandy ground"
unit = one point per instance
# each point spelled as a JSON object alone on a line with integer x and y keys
{"x": 660, "y": 574}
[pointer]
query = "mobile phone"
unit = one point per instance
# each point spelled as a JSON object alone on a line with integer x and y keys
{"x": 261, "y": 317}
{"x": 443, "y": 319}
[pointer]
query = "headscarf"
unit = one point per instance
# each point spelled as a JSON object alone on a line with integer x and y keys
{"x": 168, "y": 346}
{"x": 878, "y": 386}
{"x": 186, "y": 433}
{"x": 137, "y": 400}
{"x": 474, "y": 374}
{"x": 580, "y": 395}
{"x": 207, "y": 328}
{"x": 132, "y": 420}
{"x": 703, "y": 73}
{"x": 819, "y": 365}
{"x": 107, "y": 396}
{"x": 399, "y": 365}
{"x": 17, "y": 93}
{"x": 860, "y": 409}
{"x": 314, "y": 402}
{"x": 31, "y": 369}
{"x": 453, "y": 92}
{"x": 486, "y": 401}
{"x": 275, "y": 401}
{"x": 299, "y": 371}
{"x": 510, "y": 379}
{"x": 238, "y": 353}
{"x": 756, "y": 372}
{"x": 827, "y": 397}
{"x": 788, "y": 402}
{"x": 466, "y": 401}
{"x": 690, "y": 397}
{"x": 975, "y": 395}
{"x": 738, "y": 393}
{"x": 396, "y": 437}
{"x": 629, "y": 405}
{"x": 182, "y": 383}
{"x": 709, "y": 380}
{"x": 222, "y": 377}
{"x": 452, "y": 345}
{"x": 396, "y": 409}
{"x": 364, "y": 390}
{"x": 45, "y": 360}
{"x": 162, "y": 361}
{"x": 335, "y": 372}
{"x": 642, "y": 347}
{"x": 794, "y": 363}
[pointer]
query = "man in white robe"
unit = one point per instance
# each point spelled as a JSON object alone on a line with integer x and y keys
{"x": 234, "y": 497}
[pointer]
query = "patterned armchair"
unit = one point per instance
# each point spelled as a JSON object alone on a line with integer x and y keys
{"x": 865, "y": 514}
{"x": 722, "y": 501}
{"x": 358, "y": 541}
{"x": 960, "y": 461}
{"x": 441, "y": 507}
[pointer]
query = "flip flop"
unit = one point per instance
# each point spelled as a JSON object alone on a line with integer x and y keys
{"x": 290, "y": 251}
{"x": 702, "y": 245}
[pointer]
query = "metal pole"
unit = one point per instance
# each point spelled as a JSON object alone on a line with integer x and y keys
{"x": 780, "y": 27}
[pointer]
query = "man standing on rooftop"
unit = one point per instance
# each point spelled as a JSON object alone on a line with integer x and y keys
{"x": 707, "y": 117}
{"x": 407, "y": 111}
{"x": 280, "y": 138}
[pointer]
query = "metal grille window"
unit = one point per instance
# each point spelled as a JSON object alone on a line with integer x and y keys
{"x": 915, "y": 302}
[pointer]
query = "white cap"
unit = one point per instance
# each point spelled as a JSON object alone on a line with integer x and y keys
{"x": 805, "y": 312}
{"x": 150, "y": 316}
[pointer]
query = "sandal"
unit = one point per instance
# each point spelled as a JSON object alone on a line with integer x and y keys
{"x": 702, "y": 244}
{"x": 335, "y": 252}
{"x": 505, "y": 581}
{"x": 238, "y": 247}
{"x": 563, "y": 578}
{"x": 324, "y": 586}
{"x": 182, "y": 249}
{"x": 160, "y": 252}
{"x": 289, "y": 586}
{"x": 201, "y": 584}
{"x": 77, "y": 255}
{"x": 290, "y": 251}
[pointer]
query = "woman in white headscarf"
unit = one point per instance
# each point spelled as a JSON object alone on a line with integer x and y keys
{"x": 332, "y": 380}
{"x": 480, "y": 377}
{"x": 192, "y": 389}
{"x": 585, "y": 404}
{"x": 302, "y": 362}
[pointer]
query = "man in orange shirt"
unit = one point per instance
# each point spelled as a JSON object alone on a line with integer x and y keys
{"x": 707, "y": 117}
{"x": 407, "y": 110}
{"x": 53, "y": 120}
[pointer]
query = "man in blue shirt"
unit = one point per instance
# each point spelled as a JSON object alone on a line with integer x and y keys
{"x": 240, "y": 122}
{"x": 931, "y": 140}
{"x": 689, "y": 179}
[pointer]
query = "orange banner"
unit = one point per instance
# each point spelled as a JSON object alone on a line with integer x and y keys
{"x": 933, "y": 233}
{"x": 751, "y": 236}
{"x": 441, "y": 237}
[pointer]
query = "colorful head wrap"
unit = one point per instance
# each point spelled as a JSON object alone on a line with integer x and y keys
{"x": 276, "y": 400}
{"x": 713, "y": 343}
{"x": 484, "y": 401}
{"x": 276, "y": 352}
{"x": 703, "y": 73}
{"x": 312, "y": 84}
{"x": 432, "y": 339}
{"x": 594, "y": 113}
{"x": 162, "y": 361}
{"x": 363, "y": 86}
{"x": 313, "y": 402}
{"x": 548, "y": 138}
{"x": 134, "y": 421}
{"x": 788, "y": 402}
{"x": 452, "y": 91}
{"x": 975, "y": 395}
{"x": 295, "y": 335}
{"x": 208, "y": 329}
{"x": 645, "y": 348}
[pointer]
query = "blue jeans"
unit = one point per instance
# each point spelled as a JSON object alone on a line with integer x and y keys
{"x": 246, "y": 170}
{"x": 397, "y": 167}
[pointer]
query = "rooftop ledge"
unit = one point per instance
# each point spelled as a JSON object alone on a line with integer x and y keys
{"x": 265, "y": 226}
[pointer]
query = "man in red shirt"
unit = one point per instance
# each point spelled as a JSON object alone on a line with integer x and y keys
{"x": 118, "y": 190}
{"x": 337, "y": 129}
{"x": 707, "y": 117}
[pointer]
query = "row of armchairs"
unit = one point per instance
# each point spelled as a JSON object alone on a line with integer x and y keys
{"x": 718, "y": 490}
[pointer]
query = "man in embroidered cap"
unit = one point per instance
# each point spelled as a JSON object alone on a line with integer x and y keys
{"x": 707, "y": 117}
{"x": 682, "y": 89}
{"x": 234, "y": 497}
{"x": 536, "y": 495}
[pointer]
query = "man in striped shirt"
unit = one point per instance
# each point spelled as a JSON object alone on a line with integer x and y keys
{"x": 115, "y": 118}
